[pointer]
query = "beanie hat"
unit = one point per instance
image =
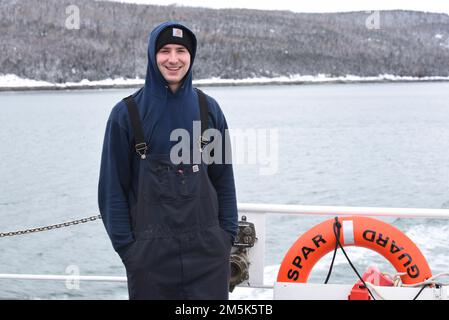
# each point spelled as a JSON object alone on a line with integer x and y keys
{"x": 175, "y": 35}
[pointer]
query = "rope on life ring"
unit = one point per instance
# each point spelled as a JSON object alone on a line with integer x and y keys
{"x": 365, "y": 232}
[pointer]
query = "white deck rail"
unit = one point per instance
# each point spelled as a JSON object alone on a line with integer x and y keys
{"x": 343, "y": 211}
{"x": 263, "y": 209}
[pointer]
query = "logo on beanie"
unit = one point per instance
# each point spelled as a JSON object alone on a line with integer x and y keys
{"x": 177, "y": 32}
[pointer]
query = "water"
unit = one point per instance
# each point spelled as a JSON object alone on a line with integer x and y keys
{"x": 384, "y": 145}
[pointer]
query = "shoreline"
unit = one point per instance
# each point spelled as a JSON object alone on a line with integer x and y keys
{"x": 136, "y": 83}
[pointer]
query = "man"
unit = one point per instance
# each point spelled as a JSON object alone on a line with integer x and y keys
{"x": 172, "y": 224}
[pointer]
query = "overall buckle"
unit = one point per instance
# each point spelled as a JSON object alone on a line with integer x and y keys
{"x": 141, "y": 149}
{"x": 202, "y": 142}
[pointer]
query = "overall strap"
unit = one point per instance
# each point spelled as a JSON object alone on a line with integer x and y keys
{"x": 139, "y": 138}
{"x": 204, "y": 116}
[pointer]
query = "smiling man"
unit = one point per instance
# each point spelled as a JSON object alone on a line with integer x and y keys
{"x": 173, "y": 55}
{"x": 173, "y": 61}
{"x": 172, "y": 224}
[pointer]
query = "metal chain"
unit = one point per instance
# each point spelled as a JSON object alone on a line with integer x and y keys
{"x": 51, "y": 227}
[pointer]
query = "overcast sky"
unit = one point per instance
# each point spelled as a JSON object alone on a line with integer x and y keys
{"x": 311, "y": 5}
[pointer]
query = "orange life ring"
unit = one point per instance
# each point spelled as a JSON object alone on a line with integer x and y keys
{"x": 369, "y": 233}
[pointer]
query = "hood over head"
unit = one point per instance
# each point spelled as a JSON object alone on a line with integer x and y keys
{"x": 155, "y": 84}
{"x": 155, "y": 97}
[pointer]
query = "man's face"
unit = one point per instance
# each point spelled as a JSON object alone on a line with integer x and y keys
{"x": 173, "y": 61}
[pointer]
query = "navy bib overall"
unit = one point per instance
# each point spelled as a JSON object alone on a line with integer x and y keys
{"x": 180, "y": 251}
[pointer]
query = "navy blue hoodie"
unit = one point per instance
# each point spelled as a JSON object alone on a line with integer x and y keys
{"x": 161, "y": 111}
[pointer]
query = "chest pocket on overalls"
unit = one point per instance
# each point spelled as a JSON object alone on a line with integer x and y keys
{"x": 178, "y": 182}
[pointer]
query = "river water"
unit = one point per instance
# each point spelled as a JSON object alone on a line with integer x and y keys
{"x": 377, "y": 145}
